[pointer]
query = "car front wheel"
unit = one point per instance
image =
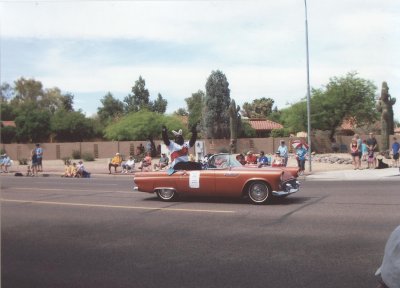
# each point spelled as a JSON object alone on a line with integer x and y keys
{"x": 166, "y": 194}
{"x": 259, "y": 192}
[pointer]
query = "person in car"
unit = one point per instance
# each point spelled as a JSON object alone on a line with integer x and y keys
{"x": 262, "y": 160}
{"x": 251, "y": 158}
{"x": 180, "y": 149}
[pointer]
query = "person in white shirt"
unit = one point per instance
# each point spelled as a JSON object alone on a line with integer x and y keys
{"x": 180, "y": 149}
{"x": 283, "y": 152}
{"x": 128, "y": 166}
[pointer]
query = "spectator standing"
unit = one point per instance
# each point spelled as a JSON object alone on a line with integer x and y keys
{"x": 395, "y": 152}
{"x": 301, "y": 153}
{"x": 162, "y": 163}
{"x": 364, "y": 151}
{"x": 5, "y": 163}
{"x": 251, "y": 158}
{"x": 283, "y": 152}
{"x": 34, "y": 164}
{"x": 128, "y": 166}
{"x": 372, "y": 145}
{"x": 115, "y": 162}
{"x": 39, "y": 154}
{"x": 371, "y": 159}
{"x": 148, "y": 146}
{"x": 359, "y": 144}
{"x": 354, "y": 152}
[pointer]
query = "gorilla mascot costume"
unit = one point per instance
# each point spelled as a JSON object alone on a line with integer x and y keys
{"x": 179, "y": 149}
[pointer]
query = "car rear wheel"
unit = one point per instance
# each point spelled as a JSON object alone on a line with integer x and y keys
{"x": 166, "y": 194}
{"x": 259, "y": 192}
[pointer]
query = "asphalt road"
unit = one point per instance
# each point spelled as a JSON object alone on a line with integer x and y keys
{"x": 99, "y": 233}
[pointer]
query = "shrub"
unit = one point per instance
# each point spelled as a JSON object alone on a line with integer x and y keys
{"x": 66, "y": 160}
{"x": 23, "y": 161}
{"x": 76, "y": 154}
{"x": 87, "y": 156}
{"x": 283, "y": 132}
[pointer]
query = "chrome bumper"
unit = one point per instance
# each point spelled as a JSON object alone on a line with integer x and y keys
{"x": 288, "y": 188}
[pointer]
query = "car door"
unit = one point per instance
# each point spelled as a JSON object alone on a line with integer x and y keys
{"x": 228, "y": 182}
{"x": 196, "y": 182}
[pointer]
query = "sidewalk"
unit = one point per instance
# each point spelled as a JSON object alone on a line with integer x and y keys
{"x": 320, "y": 171}
{"x": 356, "y": 175}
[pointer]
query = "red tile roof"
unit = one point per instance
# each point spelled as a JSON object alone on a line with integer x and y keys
{"x": 348, "y": 124}
{"x": 264, "y": 124}
{"x": 8, "y": 124}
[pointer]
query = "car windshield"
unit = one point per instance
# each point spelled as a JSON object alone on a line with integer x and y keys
{"x": 221, "y": 161}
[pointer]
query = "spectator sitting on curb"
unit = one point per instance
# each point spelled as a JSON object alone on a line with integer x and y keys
{"x": 128, "y": 166}
{"x": 115, "y": 162}
{"x": 81, "y": 171}
{"x": 67, "y": 170}
{"x": 146, "y": 162}
{"x": 162, "y": 163}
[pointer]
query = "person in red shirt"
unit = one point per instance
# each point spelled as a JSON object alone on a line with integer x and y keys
{"x": 251, "y": 158}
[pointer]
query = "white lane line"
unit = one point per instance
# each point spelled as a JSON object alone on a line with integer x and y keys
{"x": 66, "y": 190}
{"x": 113, "y": 206}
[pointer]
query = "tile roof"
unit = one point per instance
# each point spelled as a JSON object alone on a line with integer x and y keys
{"x": 264, "y": 124}
{"x": 8, "y": 124}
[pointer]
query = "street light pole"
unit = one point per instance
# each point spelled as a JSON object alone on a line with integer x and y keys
{"x": 308, "y": 93}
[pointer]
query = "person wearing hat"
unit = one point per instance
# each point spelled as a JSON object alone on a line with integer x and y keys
{"x": 162, "y": 163}
{"x": 128, "y": 166}
{"x": 115, "y": 162}
{"x": 251, "y": 158}
{"x": 278, "y": 161}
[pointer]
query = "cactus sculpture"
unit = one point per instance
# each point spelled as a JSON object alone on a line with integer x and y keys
{"x": 234, "y": 124}
{"x": 385, "y": 107}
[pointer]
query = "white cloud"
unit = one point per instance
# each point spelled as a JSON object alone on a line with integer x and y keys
{"x": 259, "y": 45}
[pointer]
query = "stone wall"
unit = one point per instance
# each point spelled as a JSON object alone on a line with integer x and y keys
{"x": 52, "y": 151}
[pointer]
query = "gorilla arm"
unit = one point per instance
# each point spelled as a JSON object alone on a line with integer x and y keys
{"x": 193, "y": 139}
{"x": 165, "y": 138}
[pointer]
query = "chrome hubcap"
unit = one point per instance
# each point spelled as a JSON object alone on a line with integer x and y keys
{"x": 258, "y": 192}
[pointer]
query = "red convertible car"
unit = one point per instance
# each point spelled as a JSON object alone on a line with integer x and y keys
{"x": 221, "y": 176}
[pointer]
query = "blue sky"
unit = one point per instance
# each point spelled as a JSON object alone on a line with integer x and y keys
{"x": 89, "y": 48}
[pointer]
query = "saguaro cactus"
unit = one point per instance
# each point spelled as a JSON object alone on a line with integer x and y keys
{"x": 385, "y": 107}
